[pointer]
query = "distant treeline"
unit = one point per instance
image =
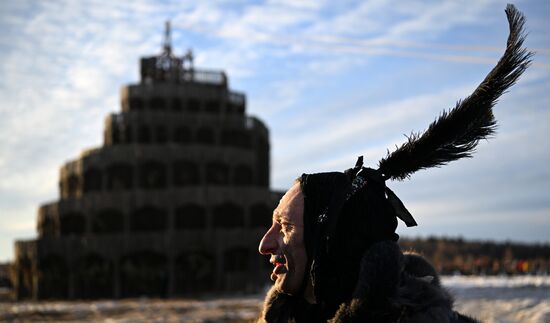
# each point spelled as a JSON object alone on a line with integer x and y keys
{"x": 455, "y": 255}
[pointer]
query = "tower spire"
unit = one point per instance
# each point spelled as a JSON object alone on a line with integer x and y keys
{"x": 167, "y": 41}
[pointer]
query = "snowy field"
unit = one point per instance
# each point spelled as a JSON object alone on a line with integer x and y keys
{"x": 502, "y": 299}
{"x": 491, "y": 299}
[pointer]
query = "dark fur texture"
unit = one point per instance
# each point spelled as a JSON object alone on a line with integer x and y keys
{"x": 456, "y": 133}
{"x": 392, "y": 287}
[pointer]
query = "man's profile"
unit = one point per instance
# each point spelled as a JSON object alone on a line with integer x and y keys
{"x": 333, "y": 244}
{"x": 284, "y": 241}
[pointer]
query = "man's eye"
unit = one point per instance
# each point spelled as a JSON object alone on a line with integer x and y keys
{"x": 286, "y": 227}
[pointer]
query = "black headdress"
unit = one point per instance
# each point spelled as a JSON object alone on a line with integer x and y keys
{"x": 346, "y": 212}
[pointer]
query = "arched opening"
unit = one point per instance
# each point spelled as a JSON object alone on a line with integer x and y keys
{"x": 144, "y": 134}
{"x": 236, "y": 138}
{"x": 120, "y": 177}
{"x": 190, "y": 216}
{"x": 242, "y": 175}
{"x": 239, "y": 109}
{"x": 72, "y": 224}
{"x": 205, "y": 136}
{"x": 228, "y": 215}
{"x": 128, "y": 136}
{"x": 73, "y": 185}
{"x": 63, "y": 190}
{"x": 236, "y": 259}
{"x": 217, "y": 173}
{"x": 212, "y": 106}
{"x": 161, "y": 134}
{"x": 115, "y": 135}
{"x": 25, "y": 277}
{"x": 93, "y": 180}
{"x": 182, "y": 135}
{"x": 177, "y": 104}
{"x": 53, "y": 273}
{"x": 195, "y": 272}
{"x": 157, "y": 103}
{"x": 260, "y": 216}
{"x": 232, "y": 108}
{"x": 148, "y": 219}
{"x": 47, "y": 225}
{"x": 93, "y": 277}
{"x": 108, "y": 221}
{"x": 144, "y": 273}
{"x": 186, "y": 173}
{"x": 152, "y": 175}
{"x": 193, "y": 105}
{"x": 236, "y": 265}
{"x": 136, "y": 104}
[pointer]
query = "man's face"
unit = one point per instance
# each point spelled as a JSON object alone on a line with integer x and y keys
{"x": 284, "y": 241}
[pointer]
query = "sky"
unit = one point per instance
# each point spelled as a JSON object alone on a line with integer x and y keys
{"x": 331, "y": 79}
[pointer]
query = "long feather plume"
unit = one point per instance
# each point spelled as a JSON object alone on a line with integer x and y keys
{"x": 456, "y": 133}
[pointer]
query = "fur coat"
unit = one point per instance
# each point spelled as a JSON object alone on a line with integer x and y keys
{"x": 390, "y": 287}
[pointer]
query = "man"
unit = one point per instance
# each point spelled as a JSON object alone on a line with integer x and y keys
{"x": 333, "y": 242}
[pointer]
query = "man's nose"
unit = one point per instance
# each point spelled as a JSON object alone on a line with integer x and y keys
{"x": 268, "y": 244}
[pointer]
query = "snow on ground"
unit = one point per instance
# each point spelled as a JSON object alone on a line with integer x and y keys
{"x": 491, "y": 299}
{"x": 502, "y": 299}
{"x": 226, "y": 309}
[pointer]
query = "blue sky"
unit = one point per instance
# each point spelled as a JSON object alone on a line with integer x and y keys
{"x": 332, "y": 80}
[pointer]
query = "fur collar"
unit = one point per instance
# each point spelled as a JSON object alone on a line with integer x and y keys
{"x": 391, "y": 287}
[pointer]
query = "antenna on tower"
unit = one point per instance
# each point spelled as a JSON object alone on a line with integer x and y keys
{"x": 189, "y": 57}
{"x": 167, "y": 42}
